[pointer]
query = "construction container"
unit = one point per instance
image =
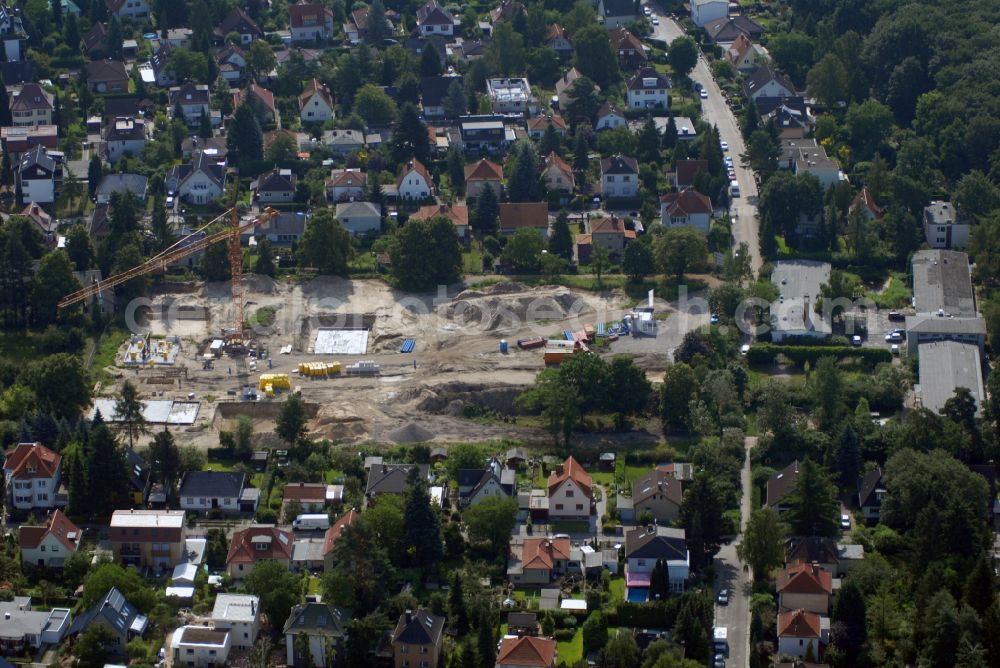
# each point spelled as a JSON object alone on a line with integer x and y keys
{"x": 503, "y": 346}
{"x": 320, "y": 369}
{"x": 276, "y": 381}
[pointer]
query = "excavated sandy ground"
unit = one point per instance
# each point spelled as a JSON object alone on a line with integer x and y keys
{"x": 457, "y": 353}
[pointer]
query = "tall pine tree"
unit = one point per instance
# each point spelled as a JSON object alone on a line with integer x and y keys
{"x": 423, "y": 526}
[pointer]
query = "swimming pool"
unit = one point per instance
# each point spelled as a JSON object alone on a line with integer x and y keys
{"x": 637, "y": 594}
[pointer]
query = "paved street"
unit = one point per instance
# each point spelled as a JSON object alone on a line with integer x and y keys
{"x": 717, "y": 112}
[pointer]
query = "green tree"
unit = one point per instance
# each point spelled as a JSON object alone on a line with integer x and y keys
{"x": 683, "y": 56}
{"x": 868, "y": 125}
{"x": 600, "y": 258}
{"x": 593, "y": 55}
{"x": 128, "y": 412}
{"x": 561, "y": 239}
{"x": 456, "y": 170}
{"x": 278, "y": 589}
{"x": 214, "y": 265}
{"x": 849, "y": 616}
{"x": 680, "y": 249}
{"x": 505, "y": 54}
{"x": 53, "y": 281}
{"x": 628, "y": 388}
{"x": 409, "y": 138}
{"x": 980, "y": 587}
{"x": 454, "y": 101}
{"x": 702, "y": 520}
{"x": 679, "y": 385}
{"x": 691, "y": 628}
{"x": 762, "y": 154}
{"x": 90, "y": 650}
{"x": 378, "y": 25}
{"x": 104, "y": 467}
{"x": 813, "y": 509}
{"x": 430, "y": 61}
{"x": 163, "y": 233}
{"x": 762, "y": 547}
{"x": 522, "y": 183}
{"x": 491, "y": 520}
{"x": 164, "y": 460}
{"x": 827, "y": 388}
{"x": 95, "y": 171}
{"x": 558, "y": 404}
{"x": 60, "y": 383}
{"x": 244, "y": 139}
{"x": 524, "y": 249}
{"x": 260, "y": 58}
{"x": 827, "y": 81}
{"x": 595, "y": 632}
{"x": 374, "y": 105}
{"x": 325, "y": 245}
{"x": 265, "y": 258}
{"x": 422, "y": 538}
{"x": 456, "y": 604}
{"x": 486, "y": 211}
{"x": 291, "y": 423}
{"x": 976, "y": 196}
{"x": 425, "y": 253}
{"x": 638, "y": 261}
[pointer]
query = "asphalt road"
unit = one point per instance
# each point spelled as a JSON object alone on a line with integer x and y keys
{"x": 717, "y": 112}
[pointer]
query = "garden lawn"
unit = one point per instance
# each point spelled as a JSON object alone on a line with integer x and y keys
{"x": 572, "y": 651}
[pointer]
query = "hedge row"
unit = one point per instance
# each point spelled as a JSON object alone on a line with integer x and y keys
{"x": 765, "y": 353}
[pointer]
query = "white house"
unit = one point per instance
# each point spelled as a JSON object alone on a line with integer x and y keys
{"x": 800, "y": 630}
{"x": 51, "y": 544}
{"x": 202, "y": 491}
{"x": 200, "y": 647}
{"x": 38, "y": 174}
{"x": 360, "y": 217}
{"x": 687, "y": 208}
{"x": 315, "y": 103}
{"x": 124, "y": 136}
{"x": 325, "y": 627}
{"x": 24, "y": 629}
{"x": 199, "y": 181}
{"x": 609, "y": 118}
{"x": 765, "y": 82}
{"x": 706, "y": 11}
{"x": 648, "y": 89}
{"x": 619, "y": 176}
{"x": 310, "y": 22}
{"x": 240, "y": 615}
{"x": 945, "y": 226}
{"x": 614, "y": 13}
{"x": 569, "y": 488}
{"x": 194, "y": 101}
{"x": 433, "y": 19}
{"x": 414, "y": 181}
{"x": 644, "y": 546}
{"x": 274, "y": 186}
{"x": 32, "y": 472}
{"x": 135, "y": 10}
{"x": 32, "y": 105}
{"x": 346, "y": 184}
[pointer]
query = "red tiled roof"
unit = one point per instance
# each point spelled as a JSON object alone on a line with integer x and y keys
{"x": 242, "y": 549}
{"x": 798, "y": 624}
{"x": 543, "y": 122}
{"x": 483, "y": 170}
{"x": 804, "y": 579}
{"x": 456, "y": 213}
{"x": 686, "y": 170}
{"x": 554, "y": 160}
{"x": 865, "y": 198}
{"x": 542, "y": 552}
{"x": 687, "y": 202}
{"x": 570, "y": 470}
{"x": 610, "y": 225}
{"x": 515, "y": 215}
{"x": 304, "y": 491}
{"x": 337, "y": 529}
{"x": 622, "y": 39}
{"x": 317, "y": 88}
{"x": 555, "y": 32}
{"x": 58, "y": 525}
{"x": 418, "y": 167}
{"x": 35, "y": 456}
{"x": 348, "y": 178}
{"x": 527, "y": 651}
{"x": 299, "y": 13}
{"x": 261, "y": 93}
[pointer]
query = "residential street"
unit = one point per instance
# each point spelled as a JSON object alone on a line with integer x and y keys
{"x": 717, "y": 112}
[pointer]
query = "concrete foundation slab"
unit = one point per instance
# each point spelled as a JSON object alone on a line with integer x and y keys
{"x": 341, "y": 342}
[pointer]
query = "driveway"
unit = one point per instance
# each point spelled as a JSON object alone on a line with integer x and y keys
{"x": 715, "y": 111}
{"x": 730, "y": 574}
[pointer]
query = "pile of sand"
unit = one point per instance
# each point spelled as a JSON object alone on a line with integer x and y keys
{"x": 511, "y": 311}
{"x": 410, "y": 433}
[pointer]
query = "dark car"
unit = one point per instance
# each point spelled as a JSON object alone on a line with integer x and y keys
{"x": 896, "y": 316}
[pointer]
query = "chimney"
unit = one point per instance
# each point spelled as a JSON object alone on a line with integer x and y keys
{"x": 409, "y": 616}
{"x": 385, "y": 468}
{"x": 6, "y": 615}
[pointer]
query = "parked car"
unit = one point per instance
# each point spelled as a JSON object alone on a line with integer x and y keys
{"x": 723, "y": 597}
{"x": 845, "y": 522}
{"x": 724, "y": 146}
{"x": 744, "y": 349}
{"x": 893, "y": 337}
{"x": 703, "y": 94}
{"x": 894, "y": 349}
{"x": 719, "y": 661}
{"x": 856, "y": 341}
{"x": 896, "y": 316}
{"x": 647, "y": 11}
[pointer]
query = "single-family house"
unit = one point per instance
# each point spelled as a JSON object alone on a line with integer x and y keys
{"x": 814, "y": 550}
{"x": 136, "y": 469}
{"x": 232, "y": 61}
{"x": 526, "y": 652}
{"x": 107, "y": 76}
{"x": 484, "y": 133}
{"x": 511, "y": 95}
{"x": 416, "y": 640}
{"x": 360, "y": 217}
{"x": 239, "y": 614}
{"x": 558, "y": 175}
{"x": 12, "y": 33}
{"x": 346, "y": 184}
{"x": 871, "y": 492}
{"x": 615, "y": 13}
{"x": 194, "y": 101}
{"x": 619, "y": 176}
{"x": 659, "y": 494}
{"x": 356, "y": 27}
{"x": 766, "y": 82}
{"x": 124, "y": 136}
{"x": 538, "y": 125}
{"x": 538, "y": 561}
{"x": 570, "y": 491}
{"x": 119, "y": 617}
{"x": 31, "y": 105}
{"x": 456, "y": 213}
{"x": 390, "y": 479}
{"x": 333, "y": 534}
{"x": 38, "y": 176}
{"x": 133, "y": 10}
{"x": 202, "y": 491}
{"x": 507, "y": 11}
{"x": 945, "y": 226}
{"x": 864, "y": 204}
{"x": 706, "y": 11}
{"x": 414, "y": 181}
{"x": 95, "y": 41}
{"x": 558, "y": 41}
{"x": 793, "y": 313}
{"x": 609, "y": 117}
{"x": 51, "y": 544}
{"x": 310, "y": 22}
{"x": 687, "y": 208}
{"x": 200, "y": 647}
{"x": 648, "y": 89}
{"x": 434, "y": 94}
{"x": 744, "y": 55}
{"x": 815, "y": 161}
{"x": 325, "y": 627}
{"x": 647, "y": 546}
{"x": 148, "y": 538}
{"x": 164, "y": 73}
{"x": 342, "y": 143}
{"x": 433, "y": 19}
{"x": 779, "y": 485}
{"x": 312, "y": 497}
{"x": 32, "y": 473}
{"x": 239, "y": 22}
{"x": 804, "y": 586}
{"x": 274, "y": 186}
{"x": 199, "y": 181}
{"x": 134, "y": 185}
{"x": 283, "y": 230}
{"x": 24, "y": 630}
{"x": 801, "y": 632}
{"x": 686, "y": 170}
{"x": 257, "y": 543}
{"x": 261, "y": 100}
{"x": 629, "y": 49}
{"x": 533, "y": 215}
{"x": 609, "y": 233}
{"x": 564, "y": 87}
{"x": 46, "y": 224}
{"x": 790, "y": 115}
{"x": 483, "y": 174}
{"x": 315, "y": 102}
{"x": 726, "y": 30}
{"x": 17, "y": 140}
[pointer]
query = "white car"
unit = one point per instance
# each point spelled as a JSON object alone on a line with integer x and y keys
{"x": 655, "y": 21}
{"x": 647, "y": 11}
{"x": 845, "y": 522}
{"x": 703, "y": 94}
{"x": 724, "y": 146}
{"x": 894, "y": 349}
{"x": 744, "y": 349}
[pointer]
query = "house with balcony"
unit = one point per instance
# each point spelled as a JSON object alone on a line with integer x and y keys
{"x": 310, "y": 23}
{"x": 483, "y": 174}
{"x": 325, "y": 628}
{"x": 120, "y": 619}
{"x": 538, "y": 561}
{"x": 345, "y": 185}
{"x": 511, "y": 96}
{"x": 200, "y": 647}
{"x": 239, "y": 614}
{"x": 257, "y": 543}
{"x": 124, "y": 137}
{"x": 49, "y": 545}
{"x": 232, "y": 62}
{"x": 25, "y": 630}
{"x": 32, "y": 473}
{"x": 945, "y": 226}
{"x": 275, "y": 186}
{"x": 417, "y": 639}
{"x": 32, "y": 105}
{"x": 648, "y": 89}
{"x": 194, "y": 101}
{"x": 647, "y": 546}
{"x": 199, "y": 181}
{"x": 148, "y": 538}
{"x": 38, "y": 176}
